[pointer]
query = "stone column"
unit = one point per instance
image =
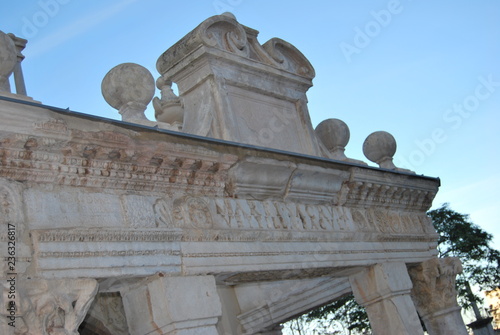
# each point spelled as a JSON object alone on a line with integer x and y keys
{"x": 435, "y": 296}
{"x": 384, "y": 290}
{"x": 172, "y": 305}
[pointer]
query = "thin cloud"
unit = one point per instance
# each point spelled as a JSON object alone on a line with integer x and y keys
{"x": 76, "y": 28}
{"x": 480, "y": 186}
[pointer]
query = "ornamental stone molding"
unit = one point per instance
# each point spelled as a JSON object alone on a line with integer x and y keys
{"x": 228, "y": 214}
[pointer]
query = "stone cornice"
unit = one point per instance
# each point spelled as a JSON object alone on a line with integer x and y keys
{"x": 119, "y": 156}
{"x": 368, "y": 188}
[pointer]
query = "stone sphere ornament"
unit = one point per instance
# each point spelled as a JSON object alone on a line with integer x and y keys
{"x": 129, "y": 88}
{"x": 334, "y": 134}
{"x": 380, "y": 147}
{"x": 8, "y": 60}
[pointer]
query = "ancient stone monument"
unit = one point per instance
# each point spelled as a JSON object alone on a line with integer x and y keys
{"x": 229, "y": 214}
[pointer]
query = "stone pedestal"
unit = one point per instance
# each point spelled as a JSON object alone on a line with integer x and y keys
{"x": 384, "y": 290}
{"x": 434, "y": 295}
{"x": 173, "y": 306}
{"x": 236, "y": 89}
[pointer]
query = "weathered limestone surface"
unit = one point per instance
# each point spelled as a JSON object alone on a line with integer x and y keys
{"x": 201, "y": 230}
{"x": 106, "y": 315}
{"x": 384, "y": 290}
{"x": 46, "y": 306}
{"x": 236, "y": 89}
{"x": 435, "y": 295}
{"x": 172, "y": 305}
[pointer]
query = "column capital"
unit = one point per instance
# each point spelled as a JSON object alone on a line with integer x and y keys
{"x": 434, "y": 284}
{"x": 435, "y": 296}
{"x": 49, "y": 306}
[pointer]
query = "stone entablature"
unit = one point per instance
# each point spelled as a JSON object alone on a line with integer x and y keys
{"x": 170, "y": 186}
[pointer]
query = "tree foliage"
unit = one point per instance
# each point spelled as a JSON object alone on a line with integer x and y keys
{"x": 458, "y": 237}
{"x": 344, "y": 310}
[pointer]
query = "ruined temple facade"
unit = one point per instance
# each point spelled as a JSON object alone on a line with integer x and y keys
{"x": 228, "y": 214}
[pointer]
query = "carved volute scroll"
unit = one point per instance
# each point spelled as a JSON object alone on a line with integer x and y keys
{"x": 289, "y": 57}
{"x": 225, "y": 33}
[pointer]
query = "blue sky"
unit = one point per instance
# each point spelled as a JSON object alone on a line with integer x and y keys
{"x": 427, "y": 72}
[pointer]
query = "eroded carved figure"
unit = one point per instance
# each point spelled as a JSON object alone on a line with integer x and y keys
{"x": 50, "y": 307}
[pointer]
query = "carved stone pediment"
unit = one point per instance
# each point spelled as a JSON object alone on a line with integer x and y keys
{"x": 236, "y": 89}
{"x": 224, "y": 33}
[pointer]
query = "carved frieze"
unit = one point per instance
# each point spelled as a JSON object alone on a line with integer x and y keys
{"x": 167, "y": 222}
{"x": 137, "y": 211}
{"x": 55, "y": 126}
{"x": 241, "y": 214}
{"x": 68, "y": 210}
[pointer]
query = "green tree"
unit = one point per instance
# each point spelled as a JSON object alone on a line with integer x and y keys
{"x": 346, "y": 311}
{"x": 458, "y": 237}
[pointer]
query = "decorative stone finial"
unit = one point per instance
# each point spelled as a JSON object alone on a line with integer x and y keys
{"x": 380, "y": 147}
{"x": 8, "y": 60}
{"x": 335, "y": 135}
{"x": 129, "y": 88}
{"x": 169, "y": 108}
